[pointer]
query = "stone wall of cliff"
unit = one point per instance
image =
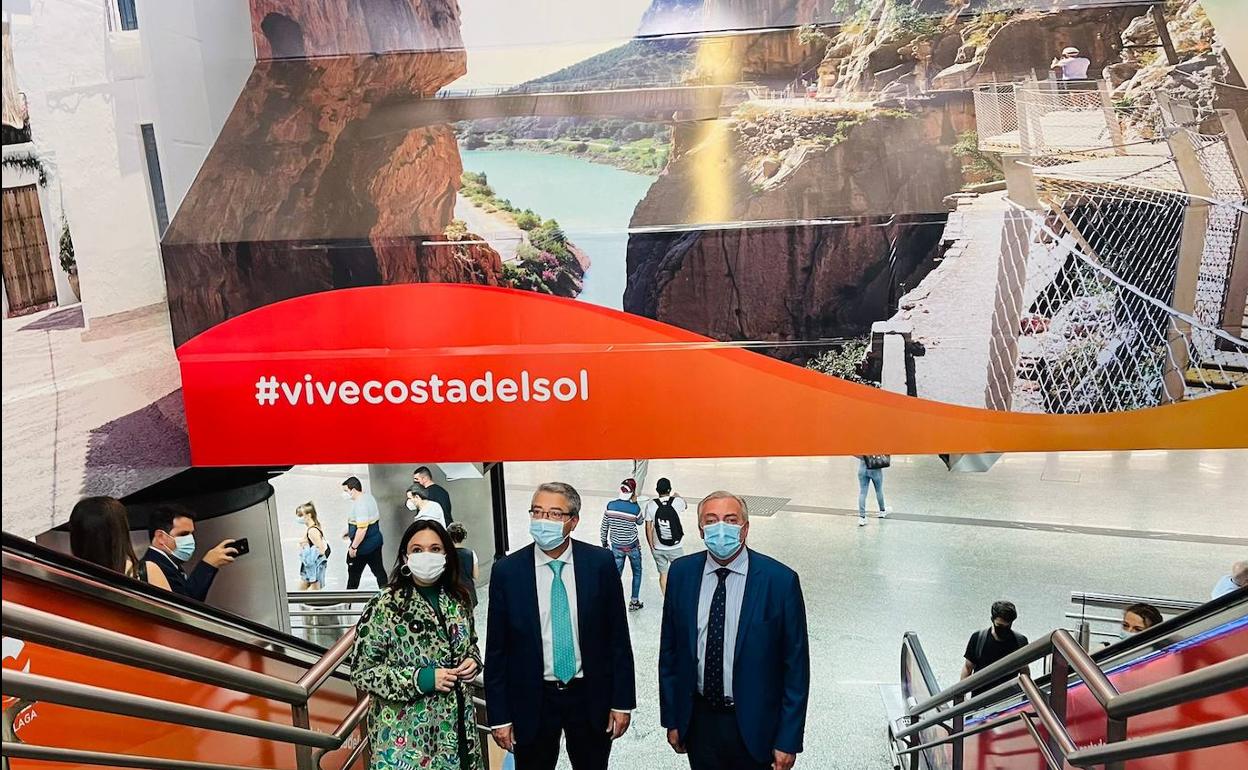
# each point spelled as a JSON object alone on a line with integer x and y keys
{"x": 303, "y": 190}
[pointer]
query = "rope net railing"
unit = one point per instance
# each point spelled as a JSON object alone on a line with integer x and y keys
{"x": 1086, "y": 287}
{"x": 1067, "y": 118}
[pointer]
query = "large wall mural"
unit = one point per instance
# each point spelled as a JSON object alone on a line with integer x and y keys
{"x": 1030, "y": 209}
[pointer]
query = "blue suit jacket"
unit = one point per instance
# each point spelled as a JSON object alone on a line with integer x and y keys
{"x": 771, "y": 670}
{"x": 513, "y": 645}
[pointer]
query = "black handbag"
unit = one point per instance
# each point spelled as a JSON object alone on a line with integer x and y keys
{"x": 876, "y": 462}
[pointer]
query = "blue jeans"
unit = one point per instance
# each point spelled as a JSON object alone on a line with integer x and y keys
{"x": 866, "y": 477}
{"x": 634, "y": 559}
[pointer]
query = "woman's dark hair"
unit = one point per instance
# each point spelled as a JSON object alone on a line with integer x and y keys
{"x": 457, "y": 531}
{"x": 450, "y": 581}
{"x": 1146, "y": 612}
{"x": 99, "y": 532}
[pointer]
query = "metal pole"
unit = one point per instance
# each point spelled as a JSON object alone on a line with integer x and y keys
{"x": 498, "y": 505}
{"x": 299, "y": 717}
{"x": 1163, "y": 32}
{"x": 959, "y": 723}
{"x": 1059, "y": 681}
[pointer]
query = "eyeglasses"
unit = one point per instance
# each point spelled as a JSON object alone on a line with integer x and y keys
{"x": 554, "y": 514}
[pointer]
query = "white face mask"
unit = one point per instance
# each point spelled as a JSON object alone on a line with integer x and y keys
{"x": 411, "y": 504}
{"x": 346, "y": 495}
{"x": 426, "y": 567}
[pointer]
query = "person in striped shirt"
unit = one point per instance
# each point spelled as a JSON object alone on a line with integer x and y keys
{"x": 619, "y": 533}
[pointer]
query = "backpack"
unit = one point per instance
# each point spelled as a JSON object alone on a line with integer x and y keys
{"x": 665, "y": 513}
{"x": 876, "y": 462}
{"x": 981, "y": 641}
{"x": 328, "y": 548}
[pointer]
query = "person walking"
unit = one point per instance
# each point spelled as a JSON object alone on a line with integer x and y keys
{"x": 871, "y": 471}
{"x": 1072, "y": 65}
{"x": 619, "y": 534}
{"x": 99, "y": 532}
{"x": 734, "y": 656}
{"x": 363, "y": 535}
{"x": 558, "y": 661}
{"x": 469, "y": 566}
{"x": 424, "y": 506}
{"x": 991, "y": 644}
{"x": 664, "y": 531}
{"x": 314, "y": 550}
{"x": 415, "y": 648}
{"x": 436, "y": 492}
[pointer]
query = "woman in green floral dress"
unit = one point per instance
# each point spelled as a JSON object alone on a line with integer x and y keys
{"x": 415, "y": 650}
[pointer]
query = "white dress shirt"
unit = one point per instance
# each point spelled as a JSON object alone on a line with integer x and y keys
{"x": 546, "y": 579}
{"x": 735, "y": 588}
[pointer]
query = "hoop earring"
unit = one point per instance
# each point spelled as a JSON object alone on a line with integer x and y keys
{"x": 405, "y": 571}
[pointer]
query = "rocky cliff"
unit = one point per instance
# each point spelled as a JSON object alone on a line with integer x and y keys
{"x": 859, "y": 193}
{"x": 303, "y": 191}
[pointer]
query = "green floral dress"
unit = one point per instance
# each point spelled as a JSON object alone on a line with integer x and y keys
{"x": 399, "y": 634}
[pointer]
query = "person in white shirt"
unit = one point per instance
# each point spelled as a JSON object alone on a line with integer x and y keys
{"x": 664, "y": 530}
{"x": 1232, "y": 582}
{"x": 1071, "y": 66}
{"x": 419, "y": 502}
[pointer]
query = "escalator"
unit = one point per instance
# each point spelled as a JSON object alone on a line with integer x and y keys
{"x": 1173, "y": 697}
{"x": 101, "y": 670}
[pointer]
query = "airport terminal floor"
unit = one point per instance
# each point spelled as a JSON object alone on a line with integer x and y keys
{"x": 1033, "y": 529}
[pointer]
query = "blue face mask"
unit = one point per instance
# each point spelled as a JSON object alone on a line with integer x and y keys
{"x": 184, "y": 547}
{"x": 722, "y": 539}
{"x": 547, "y": 534}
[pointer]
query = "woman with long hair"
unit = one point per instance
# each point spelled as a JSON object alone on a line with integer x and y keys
{"x": 99, "y": 532}
{"x": 415, "y": 648}
{"x": 313, "y": 549}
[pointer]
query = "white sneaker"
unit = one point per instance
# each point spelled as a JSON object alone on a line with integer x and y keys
{"x": 883, "y": 514}
{"x": 862, "y": 521}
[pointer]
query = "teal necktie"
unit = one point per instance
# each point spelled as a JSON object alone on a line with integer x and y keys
{"x": 561, "y": 627}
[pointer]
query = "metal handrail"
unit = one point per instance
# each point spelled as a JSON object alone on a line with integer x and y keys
{"x": 1051, "y": 711}
{"x": 1122, "y": 601}
{"x": 17, "y": 750}
{"x": 51, "y": 690}
{"x": 53, "y": 630}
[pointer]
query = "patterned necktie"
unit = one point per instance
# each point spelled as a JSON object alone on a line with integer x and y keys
{"x": 561, "y": 627}
{"x": 713, "y": 671}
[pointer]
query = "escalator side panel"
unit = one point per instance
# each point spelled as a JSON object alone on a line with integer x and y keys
{"x": 54, "y": 725}
{"x": 1011, "y": 748}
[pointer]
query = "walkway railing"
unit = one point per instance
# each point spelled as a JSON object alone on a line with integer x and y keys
{"x": 948, "y": 708}
{"x": 1085, "y": 620}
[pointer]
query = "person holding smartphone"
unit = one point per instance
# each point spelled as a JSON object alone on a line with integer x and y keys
{"x": 172, "y": 529}
{"x": 415, "y": 648}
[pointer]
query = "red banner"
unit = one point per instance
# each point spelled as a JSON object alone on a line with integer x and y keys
{"x": 468, "y": 373}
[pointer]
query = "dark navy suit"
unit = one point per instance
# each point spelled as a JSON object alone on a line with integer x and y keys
{"x": 515, "y": 692}
{"x": 771, "y": 667}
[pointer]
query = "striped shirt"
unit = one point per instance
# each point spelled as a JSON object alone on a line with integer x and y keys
{"x": 619, "y": 524}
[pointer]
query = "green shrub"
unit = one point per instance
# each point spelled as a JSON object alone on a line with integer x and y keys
{"x": 527, "y": 220}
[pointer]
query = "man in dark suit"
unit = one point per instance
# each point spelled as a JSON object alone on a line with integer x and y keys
{"x": 172, "y": 528}
{"x": 734, "y": 660}
{"x": 557, "y": 656}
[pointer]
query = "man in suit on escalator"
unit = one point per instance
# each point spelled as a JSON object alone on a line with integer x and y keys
{"x": 172, "y": 528}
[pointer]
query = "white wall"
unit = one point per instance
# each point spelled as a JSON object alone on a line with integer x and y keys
{"x": 89, "y": 89}
{"x": 197, "y": 54}
{"x": 85, "y": 113}
{"x": 50, "y": 209}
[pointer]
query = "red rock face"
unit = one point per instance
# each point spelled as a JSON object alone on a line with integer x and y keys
{"x": 307, "y": 188}
{"x": 299, "y": 28}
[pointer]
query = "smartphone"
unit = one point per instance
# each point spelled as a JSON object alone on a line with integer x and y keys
{"x": 240, "y": 546}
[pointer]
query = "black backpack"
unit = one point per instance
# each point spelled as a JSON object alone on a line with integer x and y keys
{"x": 665, "y": 513}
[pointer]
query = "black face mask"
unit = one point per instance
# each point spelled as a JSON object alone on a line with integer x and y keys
{"x": 1001, "y": 631}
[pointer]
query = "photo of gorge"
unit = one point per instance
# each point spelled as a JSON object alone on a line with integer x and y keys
{"x": 902, "y": 193}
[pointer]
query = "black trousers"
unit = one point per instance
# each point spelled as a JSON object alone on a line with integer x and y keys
{"x": 565, "y": 712}
{"x": 714, "y": 741}
{"x": 355, "y": 568}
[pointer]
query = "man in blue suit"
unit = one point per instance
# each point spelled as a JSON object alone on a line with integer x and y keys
{"x": 734, "y": 660}
{"x": 558, "y": 661}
